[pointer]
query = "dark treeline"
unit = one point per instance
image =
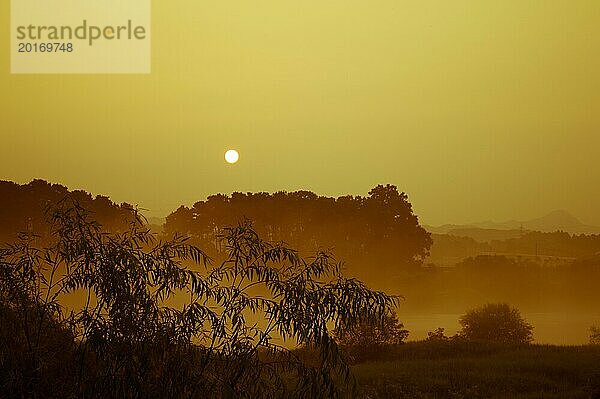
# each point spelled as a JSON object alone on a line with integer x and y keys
{"x": 23, "y": 208}
{"x": 448, "y": 249}
{"x": 380, "y": 227}
{"x": 559, "y": 244}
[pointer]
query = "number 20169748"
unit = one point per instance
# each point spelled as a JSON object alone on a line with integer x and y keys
{"x": 45, "y": 48}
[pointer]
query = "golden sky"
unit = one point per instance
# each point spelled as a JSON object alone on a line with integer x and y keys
{"x": 477, "y": 109}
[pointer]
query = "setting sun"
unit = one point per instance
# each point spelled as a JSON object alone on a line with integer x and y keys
{"x": 232, "y": 156}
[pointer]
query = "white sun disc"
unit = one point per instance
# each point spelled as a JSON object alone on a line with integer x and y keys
{"x": 232, "y": 156}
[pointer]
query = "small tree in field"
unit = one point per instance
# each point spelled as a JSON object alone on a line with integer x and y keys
{"x": 496, "y": 322}
{"x": 594, "y": 335}
{"x": 370, "y": 337}
{"x": 385, "y": 331}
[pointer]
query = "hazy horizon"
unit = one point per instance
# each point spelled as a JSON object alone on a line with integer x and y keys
{"x": 423, "y": 219}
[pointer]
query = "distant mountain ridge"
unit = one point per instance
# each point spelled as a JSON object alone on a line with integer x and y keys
{"x": 554, "y": 221}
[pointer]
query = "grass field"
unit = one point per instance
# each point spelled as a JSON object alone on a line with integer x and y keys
{"x": 480, "y": 370}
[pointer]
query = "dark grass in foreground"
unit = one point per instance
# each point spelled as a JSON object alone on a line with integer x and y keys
{"x": 481, "y": 370}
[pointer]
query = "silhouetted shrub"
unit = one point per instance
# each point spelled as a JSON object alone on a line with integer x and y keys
{"x": 377, "y": 331}
{"x": 496, "y": 322}
{"x": 129, "y": 340}
{"x": 371, "y": 336}
{"x": 36, "y": 353}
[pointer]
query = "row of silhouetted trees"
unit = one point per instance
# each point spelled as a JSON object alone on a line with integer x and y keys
{"x": 381, "y": 227}
{"x": 448, "y": 248}
{"x": 378, "y": 229}
{"x": 23, "y": 208}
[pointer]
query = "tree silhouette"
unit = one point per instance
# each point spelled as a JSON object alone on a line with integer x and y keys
{"x": 371, "y": 337}
{"x": 23, "y": 209}
{"x": 380, "y": 228}
{"x": 496, "y": 322}
{"x": 128, "y": 340}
